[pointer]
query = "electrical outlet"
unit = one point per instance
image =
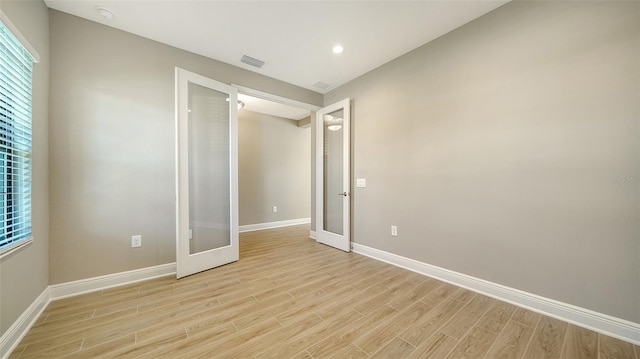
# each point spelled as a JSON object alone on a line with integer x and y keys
{"x": 274, "y": 209}
{"x": 394, "y": 231}
{"x": 136, "y": 241}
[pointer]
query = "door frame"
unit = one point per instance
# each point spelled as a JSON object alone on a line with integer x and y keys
{"x": 275, "y": 98}
{"x": 187, "y": 263}
{"x": 302, "y": 105}
{"x": 343, "y": 241}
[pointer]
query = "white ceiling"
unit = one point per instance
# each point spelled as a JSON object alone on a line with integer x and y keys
{"x": 294, "y": 38}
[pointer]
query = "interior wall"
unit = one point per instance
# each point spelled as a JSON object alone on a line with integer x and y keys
{"x": 274, "y": 168}
{"x": 112, "y": 161}
{"x": 24, "y": 274}
{"x": 508, "y": 150}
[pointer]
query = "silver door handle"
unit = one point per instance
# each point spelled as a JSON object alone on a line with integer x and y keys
{"x": 343, "y": 194}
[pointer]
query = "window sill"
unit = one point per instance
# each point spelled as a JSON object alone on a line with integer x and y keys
{"x": 15, "y": 246}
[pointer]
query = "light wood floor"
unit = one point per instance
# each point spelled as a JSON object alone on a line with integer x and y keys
{"x": 289, "y": 297}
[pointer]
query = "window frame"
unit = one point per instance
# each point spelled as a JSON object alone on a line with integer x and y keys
{"x": 9, "y": 165}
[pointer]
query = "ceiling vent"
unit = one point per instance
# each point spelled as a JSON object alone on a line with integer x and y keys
{"x": 322, "y": 85}
{"x": 251, "y": 61}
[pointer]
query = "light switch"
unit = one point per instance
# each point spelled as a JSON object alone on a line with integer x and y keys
{"x": 361, "y": 182}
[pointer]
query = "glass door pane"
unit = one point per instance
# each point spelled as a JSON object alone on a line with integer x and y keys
{"x": 333, "y": 165}
{"x": 209, "y": 169}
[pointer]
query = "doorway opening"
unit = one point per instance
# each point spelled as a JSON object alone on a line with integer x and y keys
{"x": 274, "y": 163}
{"x": 295, "y": 118}
{"x": 260, "y": 146}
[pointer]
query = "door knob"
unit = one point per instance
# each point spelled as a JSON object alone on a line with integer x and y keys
{"x": 343, "y": 194}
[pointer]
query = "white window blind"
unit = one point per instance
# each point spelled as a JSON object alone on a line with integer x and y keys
{"x": 16, "y": 65}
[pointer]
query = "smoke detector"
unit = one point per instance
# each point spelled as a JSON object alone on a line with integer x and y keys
{"x": 105, "y": 13}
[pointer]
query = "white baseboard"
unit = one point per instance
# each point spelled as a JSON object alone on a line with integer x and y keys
{"x": 602, "y": 323}
{"x": 269, "y": 225}
{"x": 70, "y": 289}
{"x": 312, "y": 235}
{"x": 21, "y": 326}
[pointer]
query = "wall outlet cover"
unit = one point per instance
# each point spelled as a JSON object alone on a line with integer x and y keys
{"x": 136, "y": 241}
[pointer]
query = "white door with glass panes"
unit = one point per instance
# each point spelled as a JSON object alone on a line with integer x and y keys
{"x": 333, "y": 196}
{"x": 206, "y": 173}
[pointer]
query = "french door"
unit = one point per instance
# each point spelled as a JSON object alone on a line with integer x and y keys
{"x": 333, "y": 179}
{"x": 206, "y": 173}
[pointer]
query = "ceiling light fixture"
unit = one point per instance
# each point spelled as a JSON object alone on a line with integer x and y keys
{"x": 338, "y": 49}
{"x": 333, "y": 123}
{"x": 105, "y": 13}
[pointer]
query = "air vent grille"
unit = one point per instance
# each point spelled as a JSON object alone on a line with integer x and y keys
{"x": 322, "y": 85}
{"x": 252, "y": 61}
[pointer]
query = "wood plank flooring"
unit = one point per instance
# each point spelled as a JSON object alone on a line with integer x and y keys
{"x": 289, "y": 297}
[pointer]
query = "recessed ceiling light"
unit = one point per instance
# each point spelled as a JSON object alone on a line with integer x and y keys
{"x": 338, "y": 49}
{"x": 105, "y": 13}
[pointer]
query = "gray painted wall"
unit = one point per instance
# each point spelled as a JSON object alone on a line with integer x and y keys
{"x": 112, "y": 145}
{"x": 274, "y": 168}
{"x": 24, "y": 274}
{"x": 508, "y": 150}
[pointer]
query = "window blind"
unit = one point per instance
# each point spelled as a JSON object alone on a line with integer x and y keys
{"x": 16, "y": 65}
